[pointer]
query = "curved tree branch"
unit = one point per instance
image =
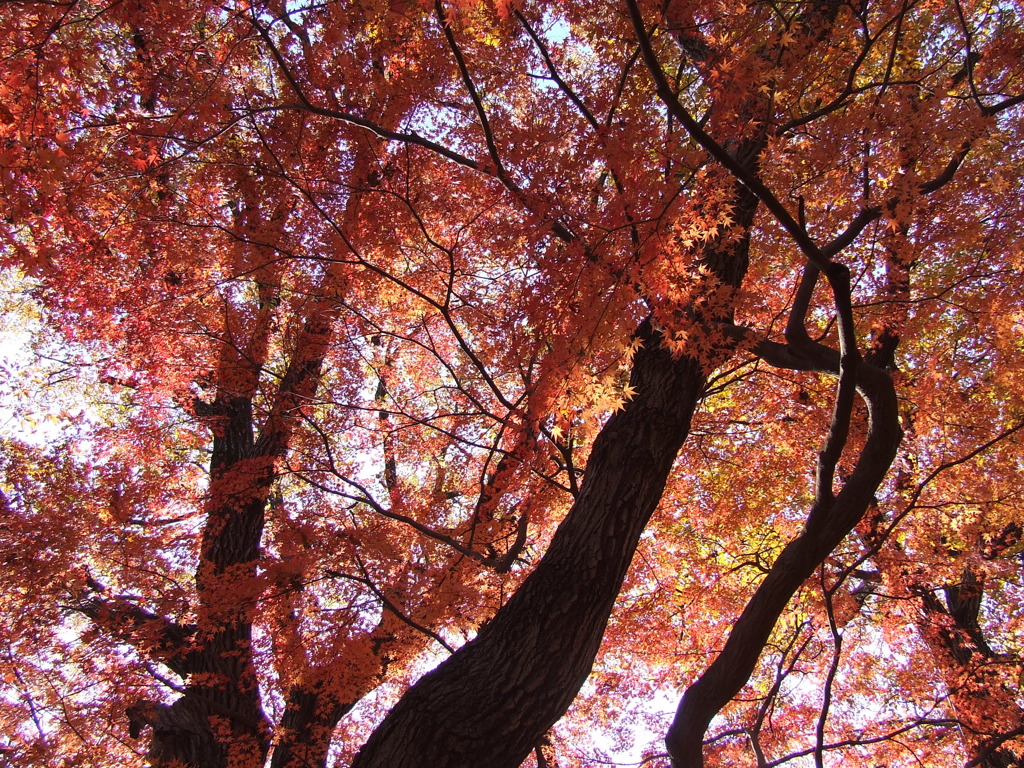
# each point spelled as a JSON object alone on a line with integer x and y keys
{"x": 828, "y": 521}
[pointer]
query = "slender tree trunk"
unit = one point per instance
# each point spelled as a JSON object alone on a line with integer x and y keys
{"x": 829, "y": 521}
{"x": 306, "y": 728}
{"x": 316, "y": 704}
{"x": 218, "y": 720}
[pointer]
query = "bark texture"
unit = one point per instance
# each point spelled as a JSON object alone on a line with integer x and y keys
{"x": 492, "y": 701}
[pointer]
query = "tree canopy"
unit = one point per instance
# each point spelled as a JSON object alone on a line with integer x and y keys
{"x": 512, "y": 382}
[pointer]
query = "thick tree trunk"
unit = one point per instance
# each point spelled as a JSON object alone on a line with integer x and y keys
{"x": 219, "y": 721}
{"x": 492, "y": 701}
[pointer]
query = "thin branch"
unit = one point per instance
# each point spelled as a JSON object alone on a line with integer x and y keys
{"x": 971, "y": 56}
{"x": 388, "y": 605}
{"x": 27, "y": 693}
{"x": 553, "y": 72}
{"x": 993, "y": 744}
{"x": 150, "y": 634}
{"x": 849, "y": 361}
{"x": 858, "y": 742}
{"x": 474, "y": 95}
{"x": 796, "y": 325}
{"x": 500, "y": 564}
{"x": 833, "y": 669}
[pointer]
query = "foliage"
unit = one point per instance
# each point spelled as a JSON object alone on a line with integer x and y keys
{"x": 350, "y": 321}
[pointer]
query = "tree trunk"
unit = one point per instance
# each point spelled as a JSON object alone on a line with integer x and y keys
{"x": 219, "y": 720}
{"x": 492, "y": 701}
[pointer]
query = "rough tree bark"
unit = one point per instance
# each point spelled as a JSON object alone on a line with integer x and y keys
{"x": 493, "y": 700}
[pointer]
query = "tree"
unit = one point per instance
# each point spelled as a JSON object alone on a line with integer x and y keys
{"x": 665, "y": 346}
